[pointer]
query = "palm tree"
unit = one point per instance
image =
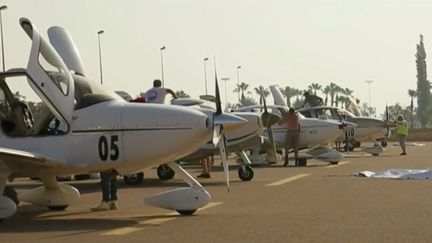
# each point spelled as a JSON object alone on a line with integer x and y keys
{"x": 348, "y": 92}
{"x": 314, "y": 87}
{"x": 262, "y": 95}
{"x": 326, "y": 91}
{"x": 181, "y": 94}
{"x": 242, "y": 87}
{"x": 247, "y": 101}
{"x": 333, "y": 92}
{"x": 412, "y": 94}
{"x": 288, "y": 92}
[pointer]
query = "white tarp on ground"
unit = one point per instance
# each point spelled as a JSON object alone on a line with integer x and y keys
{"x": 412, "y": 144}
{"x": 417, "y": 174}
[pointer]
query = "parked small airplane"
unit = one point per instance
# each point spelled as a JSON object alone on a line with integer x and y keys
{"x": 238, "y": 140}
{"x": 367, "y": 129}
{"x": 313, "y": 132}
{"x": 77, "y": 127}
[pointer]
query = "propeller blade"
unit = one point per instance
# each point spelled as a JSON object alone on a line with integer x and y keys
{"x": 217, "y": 133}
{"x": 387, "y": 113}
{"x": 224, "y": 157}
{"x": 263, "y": 98}
{"x": 272, "y": 142}
{"x": 217, "y": 97}
{"x": 387, "y": 121}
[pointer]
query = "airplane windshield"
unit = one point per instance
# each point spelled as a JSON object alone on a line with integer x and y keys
{"x": 89, "y": 92}
{"x": 53, "y": 66}
{"x": 345, "y": 114}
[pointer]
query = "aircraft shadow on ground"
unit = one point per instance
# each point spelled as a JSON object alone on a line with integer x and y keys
{"x": 29, "y": 220}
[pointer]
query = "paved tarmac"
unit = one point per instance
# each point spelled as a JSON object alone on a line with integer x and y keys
{"x": 317, "y": 203}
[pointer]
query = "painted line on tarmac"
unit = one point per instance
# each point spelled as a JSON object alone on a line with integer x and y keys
{"x": 340, "y": 163}
{"x": 288, "y": 180}
{"x": 153, "y": 222}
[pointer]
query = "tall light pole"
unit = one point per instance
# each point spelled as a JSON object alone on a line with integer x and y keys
{"x": 205, "y": 74}
{"x": 225, "y": 80}
{"x": 370, "y": 105}
{"x": 162, "y": 66}
{"x": 1, "y": 30}
{"x": 99, "y": 33}
{"x": 238, "y": 82}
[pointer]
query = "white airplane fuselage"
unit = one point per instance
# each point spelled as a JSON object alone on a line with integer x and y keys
{"x": 117, "y": 135}
{"x": 367, "y": 128}
{"x": 312, "y": 132}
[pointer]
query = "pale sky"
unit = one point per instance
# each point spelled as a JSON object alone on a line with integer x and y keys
{"x": 281, "y": 42}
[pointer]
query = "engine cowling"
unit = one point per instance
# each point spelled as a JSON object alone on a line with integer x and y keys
{"x": 61, "y": 196}
{"x": 186, "y": 198}
{"x": 7, "y": 207}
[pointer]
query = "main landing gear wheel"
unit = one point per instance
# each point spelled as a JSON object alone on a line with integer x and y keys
{"x": 186, "y": 212}
{"x": 164, "y": 172}
{"x": 247, "y": 174}
{"x": 11, "y": 193}
{"x": 134, "y": 179}
{"x": 384, "y": 143}
{"x": 57, "y": 208}
{"x": 334, "y": 163}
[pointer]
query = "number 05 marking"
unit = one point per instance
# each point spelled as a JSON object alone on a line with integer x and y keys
{"x": 112, "y": 150}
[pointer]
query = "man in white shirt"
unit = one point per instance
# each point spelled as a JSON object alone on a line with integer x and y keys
{"x": 157, "y": 93}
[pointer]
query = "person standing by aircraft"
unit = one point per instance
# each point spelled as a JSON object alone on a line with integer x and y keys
{"x": 157, "y": 93}
{"x": 206, "y": 162}
{"x": 401, "y": 131}
{"x": 293, "y": 134}
{"x": 109, "y": 191}
{"x": 312, "y": 100}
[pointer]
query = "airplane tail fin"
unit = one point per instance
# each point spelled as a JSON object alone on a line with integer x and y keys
{"x": 277, "y": 96}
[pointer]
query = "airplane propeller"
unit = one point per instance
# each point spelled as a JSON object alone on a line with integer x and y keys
{"x": 387, "y": 121}
{"x": 223, "y": 122}
{"x": 268, "y": 120}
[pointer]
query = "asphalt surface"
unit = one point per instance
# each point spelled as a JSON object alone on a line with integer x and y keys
{"x": 317, "y": 203}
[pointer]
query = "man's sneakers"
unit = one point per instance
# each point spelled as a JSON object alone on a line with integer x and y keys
{"x": 403, "y": 153}
{"x": 105, "y": 206}
{"x": 113, "y": 205}
{"x": 204, "y": 175}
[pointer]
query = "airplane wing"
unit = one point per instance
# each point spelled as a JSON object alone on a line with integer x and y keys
{"x": 15, "y": 160}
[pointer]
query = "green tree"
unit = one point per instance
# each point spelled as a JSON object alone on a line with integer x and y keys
{"x": 314, "y": 87}
{"x": 423, "y": 85}
{"x": 247, "y": 101}
{"x": 412, "y": 93}
{"x": 241, "y": 88}
{"x": 262, "y": 95}
{"x": 181, "y": 94}
{"x": 326, "y": 91}
{"x": 333, "y": 91}
{"x": 289, "y": 92}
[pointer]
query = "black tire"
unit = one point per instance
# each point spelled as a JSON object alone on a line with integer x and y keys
{"x": 134, "y": 179}
{"x": 64, "y": 178}
{"x": 186, "y": 212}
{"x": 82, "y": 177}
{"x": 57, "y": 208}
{"x": 11, "y": 193}
{"x": 357, "y": 144}
{"x": 375, "y": 154}
{"x": 334, "y": 163}
{"x": 245, "y": 175}
{"x": 164, "y": 172}
{"x": 384, "y": 143}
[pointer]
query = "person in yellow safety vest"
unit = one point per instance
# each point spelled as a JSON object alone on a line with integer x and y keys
{"x": 401, "y": 131}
